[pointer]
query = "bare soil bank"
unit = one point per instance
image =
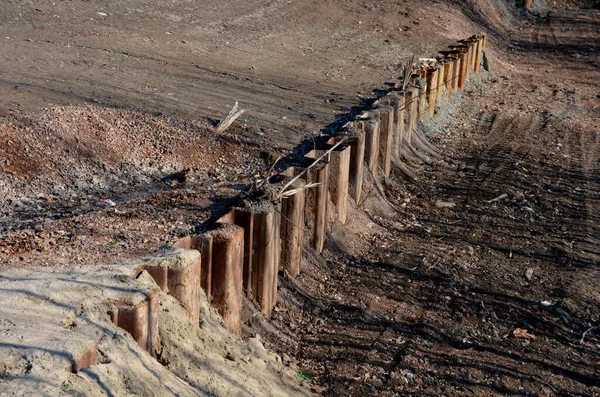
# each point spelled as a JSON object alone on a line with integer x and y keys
{"x": 409, "y": 297}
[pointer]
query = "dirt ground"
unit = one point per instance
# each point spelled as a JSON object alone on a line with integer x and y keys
{"x": 421, "y": 292}
{"x": 498, "y": 232}
{"x": 292, "y": 64}
{"x": 51, "y": 317}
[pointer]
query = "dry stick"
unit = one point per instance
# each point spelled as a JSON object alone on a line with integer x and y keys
{"x": 327, "y": 152}
{"x": 501, "y": 197}
{"x": 366, "y": 197}
{"x": 230, "y": 118}
{"x": 289, "y": 220}
{"x": 299, "y": 189}
{"x": 585, "y": 333}
{"x": 407, "y": 72}
{"x": 274, "y": 164}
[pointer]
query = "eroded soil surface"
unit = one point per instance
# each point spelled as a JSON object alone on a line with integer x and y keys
{"x": 420, "y": 293}
{"x": 499, "y": 232}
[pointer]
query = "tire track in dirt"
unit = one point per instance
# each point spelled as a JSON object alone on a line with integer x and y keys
{"x": 507, "y": 143}
{"x": 474, "y": 165}
{"x": 542, "y": 209}
{"x": 516, "y": 138}
{"x": 589, "y": 145}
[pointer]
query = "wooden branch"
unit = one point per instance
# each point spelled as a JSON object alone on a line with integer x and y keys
{"x": 234, "y": 113}
{"x": 312, "y": 165}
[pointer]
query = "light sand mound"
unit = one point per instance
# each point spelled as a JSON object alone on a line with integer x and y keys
{"x": 50, "y": 319}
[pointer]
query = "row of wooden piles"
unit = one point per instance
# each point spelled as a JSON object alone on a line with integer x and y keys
{"x": 244, "y": 252}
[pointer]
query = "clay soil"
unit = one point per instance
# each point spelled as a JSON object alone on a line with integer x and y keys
{"x": 495, "y": 230}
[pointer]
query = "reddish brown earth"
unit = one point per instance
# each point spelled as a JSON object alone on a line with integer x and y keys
{"x": 409, "y": 298}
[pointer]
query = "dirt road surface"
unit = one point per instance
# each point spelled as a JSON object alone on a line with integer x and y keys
{"x": 498, "y": 233}
{"x": 422, "y": 291}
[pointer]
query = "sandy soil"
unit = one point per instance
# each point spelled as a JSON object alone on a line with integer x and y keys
{"x": 414, "y": 296}
{"x": 51, "y": 317}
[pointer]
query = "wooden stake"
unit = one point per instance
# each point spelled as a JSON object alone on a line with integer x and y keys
{"x": 244, "y": 218}
{"x": 478, "y": 55}
{"x": 440, "y": 83}
{"x": 227, "y": 273}
{"x": 386, "y": 139}
{"x": 202, "y": 243}
{"x": 411, "y": 102}
{"x": 292, "y": 230}
{"x": 422, "y": 101}
{"x": 448, "y": 76}
{"x": 339, "y": 175}
{"x": 473, "y": 47}
{"x": 319, "y": 198}
{"x": 357, "y": 157}
{"x": 400, "y": 126}
{"x": 456, "y": 73}
{"x": 266, "y": 246}
{"x": 177, "y": 273}
{"x": 469, "y": 61}
{"x": 463, "y": 69}
{"x": 432, "y": 77}
{"x": 141, "y": 321}
{"x": 371, "y": 128}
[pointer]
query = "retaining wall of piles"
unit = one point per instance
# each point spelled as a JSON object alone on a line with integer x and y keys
{"x": 244, "y": 250}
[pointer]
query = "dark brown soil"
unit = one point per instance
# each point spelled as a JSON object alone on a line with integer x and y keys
{"x": 421, "y": 292}
{"x": 423, "y": 297}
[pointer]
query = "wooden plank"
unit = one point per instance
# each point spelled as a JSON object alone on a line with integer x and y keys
{"x": 463, "y": 70}
{"x": 319, "y": 196}
{"x": 266, "y": 246}
{"x": 141, "y": 321}
{"x": 432, "y": 78}
{"x": 456, "y": 73}
{"x": 386, "y": 137}
{"x": 244, "y": 218}
{"x": 441, "y": 83}
{"x": 411, "y": 104}
{"x": 371, "y": 128}
{"x": 292, "y": 230}
{"x": 478, "y": 55}
{"x": 422, "y": 100}
{"x": 204, "y": 245}
{"x": 449, "y": 75}
{"x": 357, "y": 156}
{"x": 399, "y": 123}
{"x": 339, "y": 175}
{"x": 184, "y": 284}
{"x": 177, "y": 273}
{"x": 473, "y": 47}
{"x": 227, "y": 274}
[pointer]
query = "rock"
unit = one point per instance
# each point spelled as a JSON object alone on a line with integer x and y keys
{"x": 260, "y": 365}
{"x": 445, "y": 204}
{"x": 256, "y": 349}
{"x": 529, "y": 273}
